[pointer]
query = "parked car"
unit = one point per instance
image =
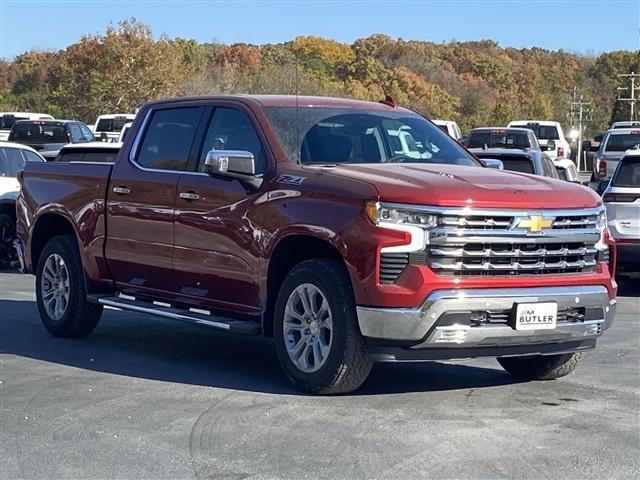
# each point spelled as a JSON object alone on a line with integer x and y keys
{"x": 529, "y": 161}
{"x": 342, "y": 250}
{"x": 622, "y": 199}
{"x": 511, "y": 138}
{"x": 450, "y": 127}
{"x": 567, "y": 170}
{"x": 124, "y": 131}
{"x": 612, "y": 147}
{"x": 92, "y": 152}
{"x": 49, "y": 136}
{"x": 13, "y": 157}
{"x": 7, "y": 119}
{"x": 108, "y": 127}
{"x": 550, "y": 136}
{"x": 625, "y": 124}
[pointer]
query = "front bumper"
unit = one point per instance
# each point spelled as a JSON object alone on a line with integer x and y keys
{"x": 443, "y": 323}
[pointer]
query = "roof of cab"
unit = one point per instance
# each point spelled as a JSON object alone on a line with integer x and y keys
{"x": 291, "y": 101}
{"x": 624, "y": 131}
{"x": 511, "y": 129}
{"x": 109, "y": 116}
{"x": 546, "y": 123}
{"x": 18, "y": 145}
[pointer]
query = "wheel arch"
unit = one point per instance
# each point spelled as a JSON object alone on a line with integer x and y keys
{"x": 47, "y": 226}
{"x": 288, "y": 252}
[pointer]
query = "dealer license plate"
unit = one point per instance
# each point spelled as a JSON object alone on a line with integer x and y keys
{"x": 536, "y": 316}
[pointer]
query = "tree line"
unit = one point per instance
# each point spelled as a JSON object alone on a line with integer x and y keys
{"x": 476, "y": 83}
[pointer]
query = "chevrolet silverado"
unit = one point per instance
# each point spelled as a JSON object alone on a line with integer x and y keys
{"x": 351, "y": 232}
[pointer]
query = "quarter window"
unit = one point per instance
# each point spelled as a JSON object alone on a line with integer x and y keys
{"x": 167, "y": 141}
{"x": 11, "y": 162}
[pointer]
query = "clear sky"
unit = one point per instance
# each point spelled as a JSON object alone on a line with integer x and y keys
{"x": 584, "y": 26}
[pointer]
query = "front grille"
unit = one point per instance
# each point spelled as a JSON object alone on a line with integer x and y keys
{"x": 468, "y": 242}
{"x": 510, "y": 258}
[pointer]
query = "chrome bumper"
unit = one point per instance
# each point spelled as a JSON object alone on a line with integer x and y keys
{"x": 17, "y": 245}
{"x": 423, "y": 326}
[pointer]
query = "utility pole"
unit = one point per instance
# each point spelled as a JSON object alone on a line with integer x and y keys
{"x": 579, "y": 108}
{"x": 632, "y": 99}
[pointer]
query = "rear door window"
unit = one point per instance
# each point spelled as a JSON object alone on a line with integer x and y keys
{"x": 168, "y": 139}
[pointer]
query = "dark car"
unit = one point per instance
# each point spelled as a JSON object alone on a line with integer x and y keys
{"x": 513, "y": 138}
{"x": 49, "y": 136}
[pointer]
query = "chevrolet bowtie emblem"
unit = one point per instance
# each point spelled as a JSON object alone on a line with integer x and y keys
{"x": 535, "y": 223}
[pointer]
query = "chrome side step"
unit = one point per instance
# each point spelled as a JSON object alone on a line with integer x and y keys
{"x": 188, "y": 316}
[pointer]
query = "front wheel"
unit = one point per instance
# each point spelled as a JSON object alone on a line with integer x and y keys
{"x": 318, "y": 341}
{"x": 541, "y": 367}
{"x": 61, "y": 291}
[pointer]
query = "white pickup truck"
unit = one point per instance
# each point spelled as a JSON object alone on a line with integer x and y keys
{"x": 550, "y": 136}
{"x": 107, "y": 127}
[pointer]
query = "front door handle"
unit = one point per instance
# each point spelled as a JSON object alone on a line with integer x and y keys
{"x": 121, "y": 190}
{"x": 189, "y": 196}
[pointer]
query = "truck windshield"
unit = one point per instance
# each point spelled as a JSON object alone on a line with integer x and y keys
{"x": 325, "y": 135}
{"x": 39, "y": 132}
{"x": 498, "y": 139}
{"x": 111, "y": 124}
{"x": 620, "y": 143}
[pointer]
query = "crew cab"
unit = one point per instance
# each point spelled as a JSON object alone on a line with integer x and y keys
{"x": 550, "y": 136}
{"x": 7, "y": 119}
{"x": 108, "y": 127}
{"x": 49, "y": 136}
{"x": 295, "y": 218}
{"x": 613, "y": 145}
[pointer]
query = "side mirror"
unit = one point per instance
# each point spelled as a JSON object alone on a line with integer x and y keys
{"x": 597, "y": 138}
{"x": 602, "y": 186}
{"x": 492, "y": 163}
{"x": 237, "y": 164}
{"x": 103, "y": 137}
{"x": 551, "y": 145}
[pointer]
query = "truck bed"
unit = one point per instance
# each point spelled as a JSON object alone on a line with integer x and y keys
{"x": 75, "y": 190}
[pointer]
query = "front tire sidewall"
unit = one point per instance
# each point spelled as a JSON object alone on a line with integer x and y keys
{"x": 342, "y": 312}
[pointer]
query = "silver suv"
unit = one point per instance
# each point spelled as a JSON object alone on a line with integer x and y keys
{"x": 613, "y": 146}
{"x": 622, "y": 199}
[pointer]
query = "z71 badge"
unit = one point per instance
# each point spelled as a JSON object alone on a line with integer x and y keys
{"x": 291, "y": 179}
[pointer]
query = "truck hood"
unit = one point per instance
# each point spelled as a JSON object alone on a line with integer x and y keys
{"x": 461, "y": 186}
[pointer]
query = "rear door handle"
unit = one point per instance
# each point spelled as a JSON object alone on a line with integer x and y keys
{"x": 121, "y": 190}
{"x": 190, "y": 196}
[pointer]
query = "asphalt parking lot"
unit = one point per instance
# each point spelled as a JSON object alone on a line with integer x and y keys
{"x": 148, "y": 398}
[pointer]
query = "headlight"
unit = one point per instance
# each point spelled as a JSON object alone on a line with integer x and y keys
{"x": 405, "y": 218}
{"x": 601, "y": 246}
{"x": 381, "y": 213}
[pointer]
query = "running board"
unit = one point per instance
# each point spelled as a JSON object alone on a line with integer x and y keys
{"x": 188, "y": 316}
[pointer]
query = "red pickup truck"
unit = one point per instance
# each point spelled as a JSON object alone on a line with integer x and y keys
{"x": 351, "y": 232}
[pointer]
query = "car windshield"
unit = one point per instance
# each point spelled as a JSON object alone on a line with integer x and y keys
{"x": 7, "y": 121}
{"x": 620, "y": 143}
{"x": 543, "y": 132}
{"x": 111, "y": 124}
{"x": 628, "y": 173}
{"x": 39, "y": 132}
{"x": 324, "y": 135}
{"x": 498, "y": 139}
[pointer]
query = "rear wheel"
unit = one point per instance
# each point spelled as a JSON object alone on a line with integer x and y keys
{"x": 541, "y": 367}
{"x": 318, "y": 341}
{"x": 7, "y": 235}
{"x": 61, "y": 291}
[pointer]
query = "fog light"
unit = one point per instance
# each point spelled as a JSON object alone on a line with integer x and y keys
{"x": 452, "y": 334}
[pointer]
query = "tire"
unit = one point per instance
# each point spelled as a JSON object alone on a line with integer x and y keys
{"x": 345, "y": 363}
{"x": 77, "y": 317}
{"x": 7, "y": 235}
{"x": 541, "y": 367}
